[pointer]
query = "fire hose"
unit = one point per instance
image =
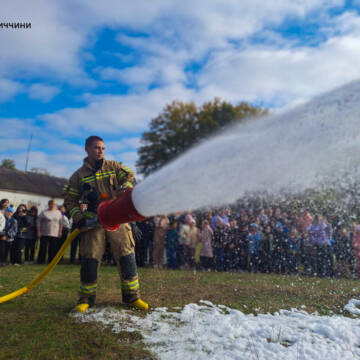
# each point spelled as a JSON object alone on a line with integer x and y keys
{"x": 111, "y": 214}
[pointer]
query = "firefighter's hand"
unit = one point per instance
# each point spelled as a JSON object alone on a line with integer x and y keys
{"x": 86, "y": 224}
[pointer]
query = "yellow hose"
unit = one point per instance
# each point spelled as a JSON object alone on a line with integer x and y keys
{"x": 46, "y": 271}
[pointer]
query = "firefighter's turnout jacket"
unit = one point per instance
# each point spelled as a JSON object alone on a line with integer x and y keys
{"x": 89, "y": 185}
{"x": 92, "y": 184}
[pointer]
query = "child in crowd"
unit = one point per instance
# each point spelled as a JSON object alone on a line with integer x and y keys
{"x": 286, "y": 225}
{"x": 264, "y": 219}
{"x": 231, "y": 250}
{"x": 194, "y": 240}
{"x": 279, "y": 257}
{"x": 356, "y": 247}
{"x": 293, "y": 251}
{"x": 206, "y": 252}
{"x": 171, "y": 244}
{"x": 343, "y": 252}
{"x": 161, "y": 226}
{"x": 322, "y": 251}
{"x": 266, "y": 250}
{"x": 254, "y": 241}
{"x": 221, "y": 232}
{"x": 243, "y": 247}
{"x": 256, "y": 222}
{"x": 184, "y": 240}
{"x": 330, "y": 234}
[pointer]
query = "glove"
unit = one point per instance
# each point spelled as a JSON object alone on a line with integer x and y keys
{"x": 88, "y": 223}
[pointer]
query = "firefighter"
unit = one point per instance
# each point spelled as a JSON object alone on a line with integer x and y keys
{"x": 96, "y": 180}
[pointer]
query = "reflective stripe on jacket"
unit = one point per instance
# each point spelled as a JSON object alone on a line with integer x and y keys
{"x": 93, "y": 186}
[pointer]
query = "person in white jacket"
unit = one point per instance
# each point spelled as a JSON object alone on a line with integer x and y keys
{"x": 2, "y": 220}
{"x": 2, "y": 234}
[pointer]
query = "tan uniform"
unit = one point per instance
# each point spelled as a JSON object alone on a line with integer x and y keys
{"x": 90, "y": 185}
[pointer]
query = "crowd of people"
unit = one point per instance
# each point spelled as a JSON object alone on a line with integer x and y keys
{"x": 267, "y": 240}
{"x": 21, "y": 229}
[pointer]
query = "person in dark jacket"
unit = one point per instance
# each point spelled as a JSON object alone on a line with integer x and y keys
{"x": 30, "y": 235}
{"x": 19, "y": 244}
{"x": 221, "y": 233}
{"x": 279, "y": 243}
{"x": 8, "y": 236}
{"x": 231, "y": 249}
{"x": 254, "y": 240}
{"x": 293, "y": 251}
{"x": 242, "y": 247}
{"x": 266, "y": 250}
{"x": 345, "y": 259}
{"x": 171, "y": 244}
{"x": 146, "y": 248}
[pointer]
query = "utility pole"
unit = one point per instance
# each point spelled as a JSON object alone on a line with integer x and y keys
{"x": 28, "y": 153}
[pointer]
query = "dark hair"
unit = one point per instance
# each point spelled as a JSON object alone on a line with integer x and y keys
{"x": 51, "y": 201}
{"x": 18, "y": 208}
{"x": 172, "y": 222}
{"x": 91, "y": 139}
{"x": 34, "y": 208}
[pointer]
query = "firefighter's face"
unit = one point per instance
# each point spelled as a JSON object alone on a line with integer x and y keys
{"x": 96, "y": 151}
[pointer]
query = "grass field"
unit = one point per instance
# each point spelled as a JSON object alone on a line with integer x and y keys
{"x": 38, "y": 326}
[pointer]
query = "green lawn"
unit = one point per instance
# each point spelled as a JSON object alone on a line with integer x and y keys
{"x": 38, "y": 326}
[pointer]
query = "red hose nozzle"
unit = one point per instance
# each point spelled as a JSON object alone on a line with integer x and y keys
{"x": 111, "y": 214}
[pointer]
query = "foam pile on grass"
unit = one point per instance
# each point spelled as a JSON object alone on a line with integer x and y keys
{"x": 208, "y": 331}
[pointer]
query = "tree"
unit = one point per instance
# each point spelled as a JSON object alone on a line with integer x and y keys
{"x": 181, "y": 125}
{"x": 8, "y": 163}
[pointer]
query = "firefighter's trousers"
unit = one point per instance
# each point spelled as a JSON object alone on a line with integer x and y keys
{"x": 92, "y": 248}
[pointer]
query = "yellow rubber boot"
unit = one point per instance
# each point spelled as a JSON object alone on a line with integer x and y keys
{"x": 140, "y": 305}
{"x": 81, "y": 307}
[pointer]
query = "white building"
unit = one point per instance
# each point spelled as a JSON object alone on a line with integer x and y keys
{"x": 30, "y": 188}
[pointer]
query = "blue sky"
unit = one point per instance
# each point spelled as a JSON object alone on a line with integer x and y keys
{"x": 109, "y": 67}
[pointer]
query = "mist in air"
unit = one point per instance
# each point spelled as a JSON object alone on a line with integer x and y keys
{"x": 295, "y": 149}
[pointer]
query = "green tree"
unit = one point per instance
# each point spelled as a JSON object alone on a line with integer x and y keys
{"x": 8, "y": 163}
{"x": 181, "y": 125}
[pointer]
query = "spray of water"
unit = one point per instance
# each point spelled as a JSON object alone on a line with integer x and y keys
{"x": 295, "y": 149}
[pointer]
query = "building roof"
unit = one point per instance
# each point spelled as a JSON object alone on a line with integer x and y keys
{"x": 30, "y": 182}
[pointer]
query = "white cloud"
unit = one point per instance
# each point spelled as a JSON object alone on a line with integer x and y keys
{"x": 280, "y": 75}
{"x": 13, "y": 144}
{"x": 41, "y": 160}
{"x": 127, "y": 157}
{"x": 61, "y": 31}
{"x": 156, "y": 70}
{"x": 9, "y": 88}
{"x": 48, "y": 150}
{"x": 42, "y": 92}
{"x": 123, "y": 143}
{"x": 50, "y": 47}
{"x": 15, "y": 128}
{"x": 116, "y": 114}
